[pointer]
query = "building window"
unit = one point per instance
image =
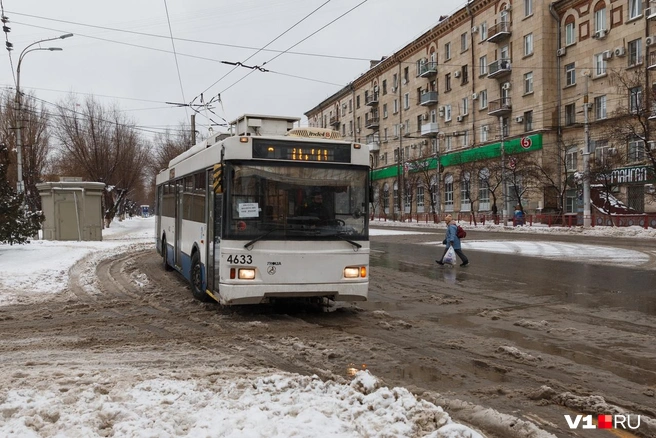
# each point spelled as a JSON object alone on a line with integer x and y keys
{"x": 406, "y": 75}
{"x": 483, "y": 30}
{"x": 635, "y": 99}
{"x": 528, "y": 44}
{"x": 448, "y": 143}
{"x": 600, "y": 19}
{"x": 350, "y": 105}
{"x": 571, "y": 201}
{"x": 343, "y": 109}
{"x": 464, "y": 139}
{"x": 447, "y": 51}
{"x": 386, "y": 198}
{"x": 483, "y": 190}
{"x": 448, "y": 192}
{"x": 465, "y": 74}
{"x": 482, "y": 65}
{"x": 463, "y": 42}
{"x": 447, "y": 82}
{"x": 406, "y": 101}
{"x": 396, "y": 106}
{"x": 357, "y": 102}
{"x": 384, "y": 111}
{"x": 570, "y": 114}
{"x": 384, "y": 87}
{"x": 465, "y": 181}
{"x": 528, "y": 8}
{"x": 635, "y": 9}
{"x": 483, "y": 134}
{"x": 482, "y": 98}
{"x": 599, "y": 64}
{"x": 570, "y": 34}
{"x": 635, "y": 52}
{"x": 571, "y": 157}
{"x": 601, "y": 151}
{"x": 570, "y": 74}
{"x": 465, "y": 106}
{"x": 420, "y": 198}
{"x": 636, "y": 150}
{"x": 528, "y": 82}
{"x": 447, "y": 113}
{"x": 528, "y": 121}
{"x": 600, "y": 107}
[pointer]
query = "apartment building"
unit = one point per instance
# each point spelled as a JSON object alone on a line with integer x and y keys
{"x": 455, "y": 119}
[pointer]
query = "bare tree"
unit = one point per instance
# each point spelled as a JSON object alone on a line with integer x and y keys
{"x": 36, "y": 148}
{"x": 101, "y": 144}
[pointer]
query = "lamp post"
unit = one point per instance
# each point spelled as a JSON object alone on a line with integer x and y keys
{"x": 20, "y": 186}
{"x": 586, "y": 156}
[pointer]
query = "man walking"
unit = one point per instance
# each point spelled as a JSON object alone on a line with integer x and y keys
{"x": 452, "y": 239}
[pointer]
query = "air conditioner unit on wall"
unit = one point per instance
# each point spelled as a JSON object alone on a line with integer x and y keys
{"x": 506, "y": 86}
{"x": 601, "y": 33}
{"x": 620, "y": 51}
{"x": 561, "y": 52}
{"x": 486, "y": 128}
{"x": 506, "y": 7}
{"x": 425, "y": 116}
{"x": 460, "y": 118}
{"x": 456, "y": 73}
{"x": 393, "y": 89}
{"x": 649, "y": 189}
{"x": 474, "y": 29}
{"x": 607, "y": 54}
{"x": 474, "y": 96}
{"x": 519, "y": 119}
{"x": 650, "y": 40}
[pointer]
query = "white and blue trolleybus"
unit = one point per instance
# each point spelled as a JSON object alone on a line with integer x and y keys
{"x": 269, "y": 212}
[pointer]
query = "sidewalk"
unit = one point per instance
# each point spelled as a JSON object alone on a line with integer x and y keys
{"x": 626, "y": 232}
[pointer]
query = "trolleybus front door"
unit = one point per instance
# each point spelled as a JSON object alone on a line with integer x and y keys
{"x": 178, "y": 222}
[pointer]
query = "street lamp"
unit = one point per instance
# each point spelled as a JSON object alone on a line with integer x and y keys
{"x": 20, "y": 186}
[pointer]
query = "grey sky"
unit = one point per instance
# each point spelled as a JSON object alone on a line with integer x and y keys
{"x": 140, "y": 80}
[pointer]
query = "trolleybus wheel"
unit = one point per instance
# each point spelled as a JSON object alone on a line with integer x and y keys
{"x": 196, "y": 280}
{"x": 167, "y": 267}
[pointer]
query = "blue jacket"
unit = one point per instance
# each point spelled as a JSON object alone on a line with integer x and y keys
{"x": 451, "y": 236}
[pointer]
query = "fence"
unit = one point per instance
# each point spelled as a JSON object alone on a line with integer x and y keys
{"x": 645, "y": 220}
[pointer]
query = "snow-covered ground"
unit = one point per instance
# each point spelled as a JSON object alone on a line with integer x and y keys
{"x": 253, "y": 405}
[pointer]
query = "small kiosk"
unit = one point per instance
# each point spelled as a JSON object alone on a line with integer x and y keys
{"x": 72, "y": 209}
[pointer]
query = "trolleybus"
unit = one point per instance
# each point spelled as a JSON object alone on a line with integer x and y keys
{"x": 270, "y": 212}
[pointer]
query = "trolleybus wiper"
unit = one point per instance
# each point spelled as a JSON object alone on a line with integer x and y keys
{"x": 356, "y": 244}
{"x": 260, "y": 237}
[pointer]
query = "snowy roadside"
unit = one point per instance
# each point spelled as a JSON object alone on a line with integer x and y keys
{"x": 90, "y": 397}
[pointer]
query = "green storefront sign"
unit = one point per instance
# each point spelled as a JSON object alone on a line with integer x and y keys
{"x": 529, "y": 143}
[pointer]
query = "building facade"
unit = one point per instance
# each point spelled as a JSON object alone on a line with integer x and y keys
{"x": 486, "y": 110}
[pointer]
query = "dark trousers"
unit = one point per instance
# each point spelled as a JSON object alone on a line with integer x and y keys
{"x": 459, "y": 253}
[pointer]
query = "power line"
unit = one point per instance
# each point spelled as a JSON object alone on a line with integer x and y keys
{"x": 236, "y": 46}
{"x": 175, "y": 55}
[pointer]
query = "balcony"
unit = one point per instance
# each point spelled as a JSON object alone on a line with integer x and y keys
{"x": 499, "y": 68}
{"x": 499, "y": 32}
{"x": 334, "y": 121}
{"x": 428, "y": 98}
{"x": 428, "y": 69}
{"x": 371, "y": 99}
{"x": 652, "y": 61}
{"x": 499, "y": 107}
{"x": 429, "y": 129}
{"x": 372, "y": 122}
{"x": 373, "y": 143}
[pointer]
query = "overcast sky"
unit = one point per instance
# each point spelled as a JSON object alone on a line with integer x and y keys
{"x": 109, "y": 59}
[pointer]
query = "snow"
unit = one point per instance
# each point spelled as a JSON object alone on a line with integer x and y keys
{"x": 240, "y": 403}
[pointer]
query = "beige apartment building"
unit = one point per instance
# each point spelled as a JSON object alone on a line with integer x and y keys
{"x": 495, "y": 94}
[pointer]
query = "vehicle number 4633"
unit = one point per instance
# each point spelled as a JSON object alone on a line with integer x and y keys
{"x": 240, "y": 259}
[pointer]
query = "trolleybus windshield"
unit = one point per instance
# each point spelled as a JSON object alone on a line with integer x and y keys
{"x": 280, "y": 200}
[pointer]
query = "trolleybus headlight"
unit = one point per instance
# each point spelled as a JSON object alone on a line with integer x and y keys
{"x": 246, "y": 274}
{"x": 352, "y": 271}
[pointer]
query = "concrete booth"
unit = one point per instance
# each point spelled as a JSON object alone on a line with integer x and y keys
{"x": 73, "y": 209}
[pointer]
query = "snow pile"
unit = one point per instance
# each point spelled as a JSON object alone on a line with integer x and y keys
{"x": 278, "y": 405}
